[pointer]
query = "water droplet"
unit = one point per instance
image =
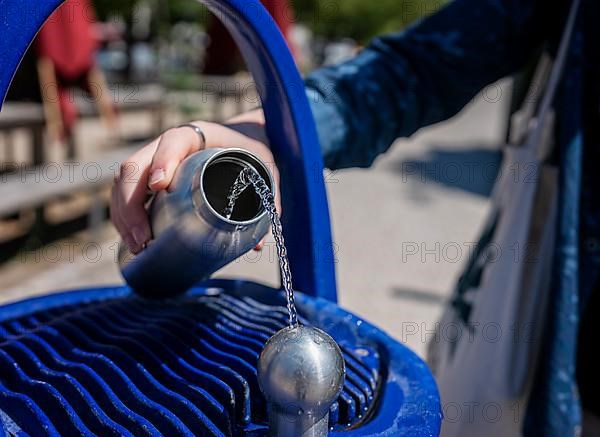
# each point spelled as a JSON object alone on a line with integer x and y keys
{"x": 213, "y": 291}
{"x": 362, "y": 352}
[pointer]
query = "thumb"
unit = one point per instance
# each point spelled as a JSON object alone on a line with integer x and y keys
{"x": 174, "y": 146}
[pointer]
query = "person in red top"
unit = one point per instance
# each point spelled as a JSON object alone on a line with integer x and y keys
{"x": 66, "y": 47}
{"x": 223, "y": 56}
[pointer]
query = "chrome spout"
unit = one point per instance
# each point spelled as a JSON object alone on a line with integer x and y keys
{"x": 301, "y": 372}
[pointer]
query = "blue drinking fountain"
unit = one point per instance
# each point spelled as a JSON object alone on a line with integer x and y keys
{"x": 108, "y": 362}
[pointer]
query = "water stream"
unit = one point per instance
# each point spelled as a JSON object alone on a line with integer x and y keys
{"x": 248, "y": 177}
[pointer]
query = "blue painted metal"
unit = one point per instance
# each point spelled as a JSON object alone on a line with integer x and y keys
{"x": 290, "y": 125}
{"x": 20, "y": 21}
{"x": 105, "y": 361}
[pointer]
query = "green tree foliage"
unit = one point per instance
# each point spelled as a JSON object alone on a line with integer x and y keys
{"x": 107, "y": 8}
{"x": 169, "y": 11}
{"x": 357, "y": 19}
{"x": 361, "y": 19}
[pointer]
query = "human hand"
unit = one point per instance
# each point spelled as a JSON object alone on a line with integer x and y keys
{"x": 153, "y": 167}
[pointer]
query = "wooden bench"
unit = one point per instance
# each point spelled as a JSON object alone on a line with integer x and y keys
{"x": 128, "y": 99}
{"x": 33, "y": 187}
{"x": 237, "y": 89}
{"x": 26, "y": 116}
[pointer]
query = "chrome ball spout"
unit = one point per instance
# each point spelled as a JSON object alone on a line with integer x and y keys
{"x": 301, "y": 373}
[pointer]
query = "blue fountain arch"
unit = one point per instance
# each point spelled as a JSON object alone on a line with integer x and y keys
{"x": 290, "y": 125}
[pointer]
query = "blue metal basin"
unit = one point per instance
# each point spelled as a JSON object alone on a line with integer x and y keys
{"x": 104, "y": 361}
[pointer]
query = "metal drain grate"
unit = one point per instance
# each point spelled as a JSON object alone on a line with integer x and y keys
{"x": 134, "y": 367}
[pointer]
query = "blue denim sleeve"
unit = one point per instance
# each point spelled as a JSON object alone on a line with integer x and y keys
{"x": 425, "y": 74}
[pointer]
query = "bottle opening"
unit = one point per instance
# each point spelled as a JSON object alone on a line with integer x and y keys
{"x": 220, "y": 175}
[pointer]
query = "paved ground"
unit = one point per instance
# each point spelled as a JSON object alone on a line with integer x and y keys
{"x": 402, "y": 229}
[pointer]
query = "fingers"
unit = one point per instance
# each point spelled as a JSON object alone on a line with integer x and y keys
{"x": 259, "y": 246}
{"x": 151, "y": 167}
{"x": 115, "y": 217}
{"x": 129, "y": 195}
{"x": 174, "y": 146}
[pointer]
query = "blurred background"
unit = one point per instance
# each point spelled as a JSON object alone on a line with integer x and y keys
{"x": 105, "y": 76}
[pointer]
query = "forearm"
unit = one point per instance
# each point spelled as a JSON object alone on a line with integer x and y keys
{"x": 418, "y": 77}
{"x": 426, "y": 74}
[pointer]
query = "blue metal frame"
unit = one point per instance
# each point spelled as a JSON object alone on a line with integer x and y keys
{"x": 290, "y": 125}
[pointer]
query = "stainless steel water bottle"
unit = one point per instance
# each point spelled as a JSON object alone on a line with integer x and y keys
{"x": 191, "y": 236}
